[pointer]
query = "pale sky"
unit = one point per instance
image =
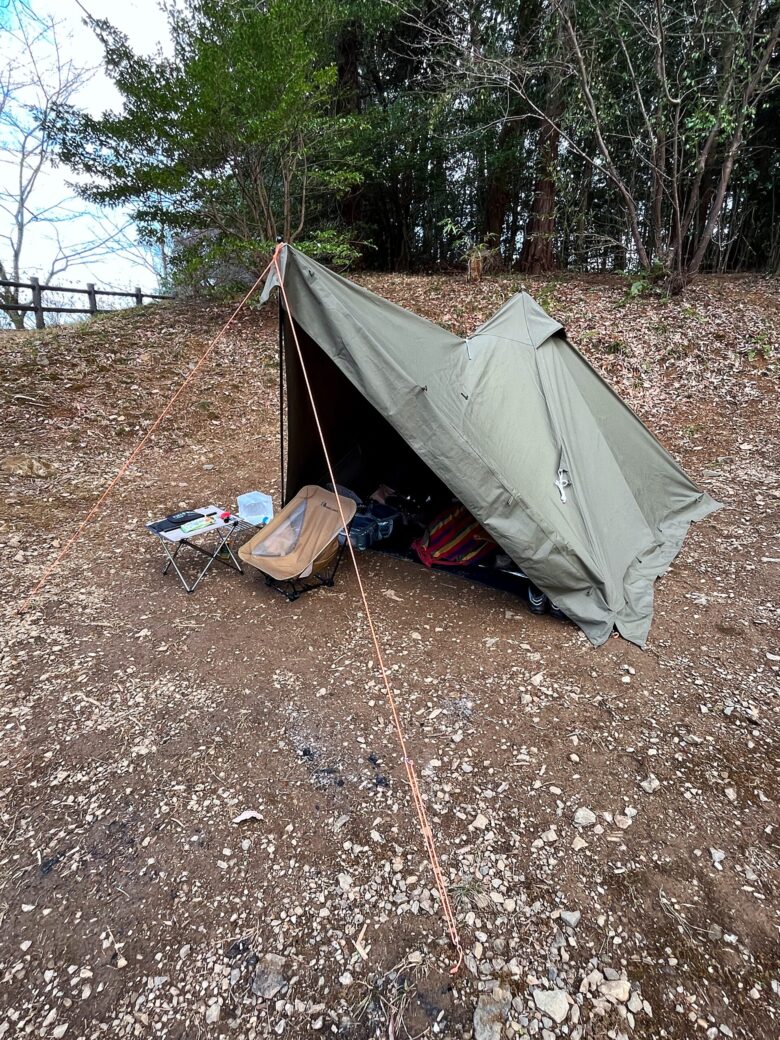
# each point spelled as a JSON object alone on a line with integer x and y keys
{"x": 145, "y": 25}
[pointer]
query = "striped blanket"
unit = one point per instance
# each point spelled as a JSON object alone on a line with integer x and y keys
{"x": 453, "y": 539}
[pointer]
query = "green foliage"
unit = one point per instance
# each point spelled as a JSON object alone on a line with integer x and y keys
{"x": 416, "y": 135}
{"x": 465, "y": 244}
{"x": 545, "y": 296}
{"x": 233, "y": 139}
{"x": 617, "y": 346}
{"x": 641, "y": 283}
{"x": 333, "y": 247}
{"x": 763, "y": 346}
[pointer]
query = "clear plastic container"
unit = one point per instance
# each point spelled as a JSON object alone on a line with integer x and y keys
{"x": 363, "y": 531}
{"x": 255, "y": 507}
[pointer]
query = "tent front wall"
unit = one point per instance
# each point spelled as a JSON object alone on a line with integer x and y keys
{"x": 361, "y": 442}
{"x": 496, "y": 417}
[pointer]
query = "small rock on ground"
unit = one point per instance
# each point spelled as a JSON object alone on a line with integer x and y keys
{"x": 553, "y": 1003}
{"x": 490, "y": 1014}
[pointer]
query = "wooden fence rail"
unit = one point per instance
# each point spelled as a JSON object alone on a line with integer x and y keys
{"x": 37, "y": 290}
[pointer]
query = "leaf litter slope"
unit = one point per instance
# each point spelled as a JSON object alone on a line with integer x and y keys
{"x": 139, "y": 723}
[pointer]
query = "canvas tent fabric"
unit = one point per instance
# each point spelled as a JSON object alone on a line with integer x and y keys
{"x": 521, "y": 429}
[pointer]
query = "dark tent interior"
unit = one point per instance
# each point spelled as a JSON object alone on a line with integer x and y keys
{"x": 367, "y": 455}
{"x": 365, "y": 449}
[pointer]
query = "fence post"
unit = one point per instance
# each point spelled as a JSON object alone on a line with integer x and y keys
{"x": 92, "y": 296}
{"x": 139, "y": 297}
{"x": 37, "y": 302}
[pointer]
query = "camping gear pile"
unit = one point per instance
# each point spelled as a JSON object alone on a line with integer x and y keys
{"x": 448, "y": 537}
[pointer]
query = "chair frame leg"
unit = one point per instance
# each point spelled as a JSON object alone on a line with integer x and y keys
{"x": 293, "y": 588}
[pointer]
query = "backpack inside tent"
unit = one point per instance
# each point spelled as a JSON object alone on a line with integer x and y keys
{"x": 512, "y": 422}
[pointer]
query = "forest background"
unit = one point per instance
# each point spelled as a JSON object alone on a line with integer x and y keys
{"x": 590, "y": 135}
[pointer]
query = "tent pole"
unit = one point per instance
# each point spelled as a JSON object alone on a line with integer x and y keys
{"x": 281, "y": 403}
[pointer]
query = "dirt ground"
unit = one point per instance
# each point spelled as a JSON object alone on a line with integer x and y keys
{"x": 139, "y": 722}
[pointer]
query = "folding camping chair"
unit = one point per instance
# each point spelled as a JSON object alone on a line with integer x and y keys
{"x": 300, "y": 549}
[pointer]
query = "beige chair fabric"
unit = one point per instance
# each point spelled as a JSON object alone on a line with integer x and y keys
{"x": 290, "y": 545}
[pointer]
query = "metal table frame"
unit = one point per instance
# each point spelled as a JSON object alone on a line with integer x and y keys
{"x": 172, "y": 542}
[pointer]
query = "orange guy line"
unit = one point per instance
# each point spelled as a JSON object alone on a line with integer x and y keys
{"x": 136, "y": 451}
{"x": 417, "y": 797}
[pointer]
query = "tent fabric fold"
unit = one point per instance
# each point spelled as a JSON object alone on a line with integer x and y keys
{"x": 524, "y": 432}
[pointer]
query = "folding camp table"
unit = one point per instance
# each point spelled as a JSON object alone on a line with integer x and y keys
{"x": 217, "y": 548}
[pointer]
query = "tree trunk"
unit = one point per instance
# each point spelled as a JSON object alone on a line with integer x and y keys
{"x": 514, "y": 227}
{"x": 15, "y": 317}
{"x": 538, "y": 253}
{"x": 348, "y": 49}
{"x": 9, "y": 295}
{"x": 404, "y": 231}
{"x": 498, "y": 183}
{"x": 497, "y": 198}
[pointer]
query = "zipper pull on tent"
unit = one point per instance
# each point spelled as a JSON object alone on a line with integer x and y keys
{"x": 562, "y": 483}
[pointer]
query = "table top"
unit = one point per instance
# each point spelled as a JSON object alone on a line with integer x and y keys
{"x": 177, "y": 535}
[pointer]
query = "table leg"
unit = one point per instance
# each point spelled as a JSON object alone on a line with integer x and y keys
{"x": 232, "y": 562}
{"x": 171, "y": 555}
{"x": 172, "y": 561}
{"x": 212, "y": 557}
{"x": 231, "y": 554}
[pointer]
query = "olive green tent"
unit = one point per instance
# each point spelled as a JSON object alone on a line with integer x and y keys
{"x": 512, "y": 420}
